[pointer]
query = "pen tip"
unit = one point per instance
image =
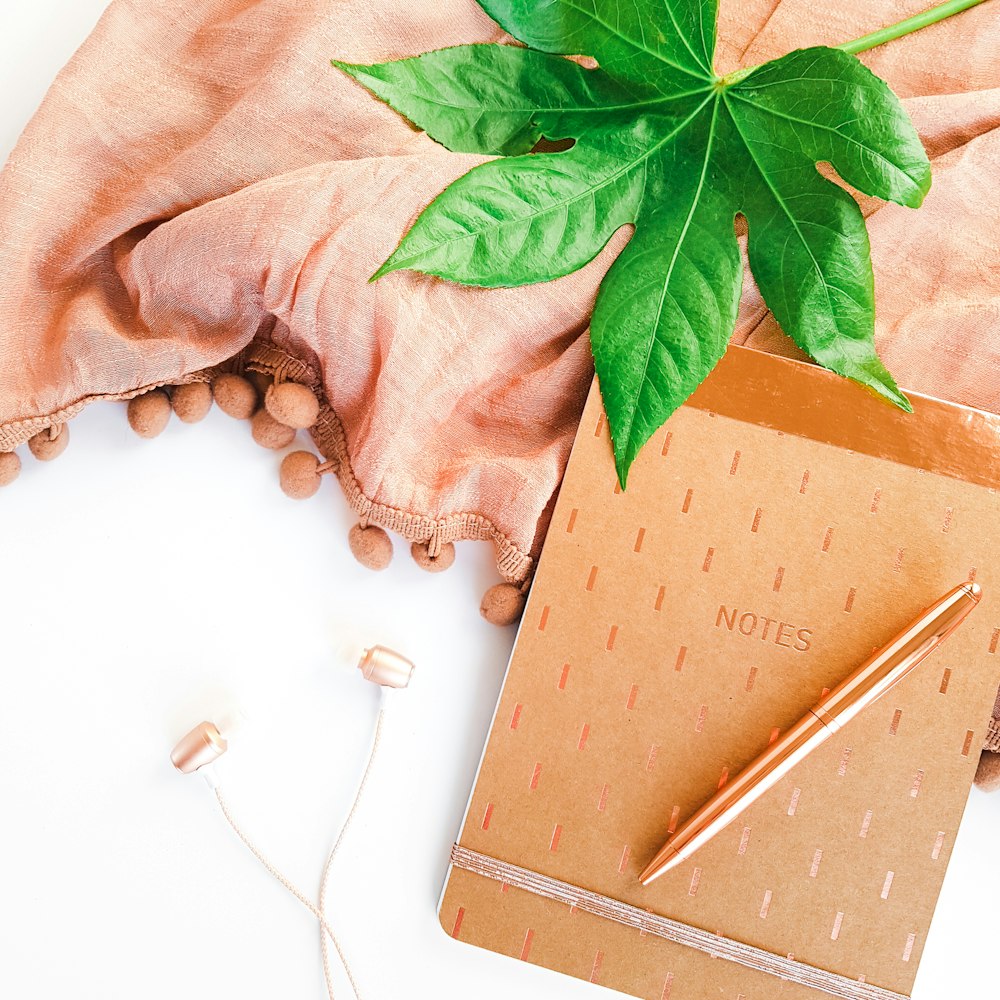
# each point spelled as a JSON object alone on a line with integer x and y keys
{"x": 974, "y": 591}
{"x": 663, "y": 862}
{"x": 650, "y": 872}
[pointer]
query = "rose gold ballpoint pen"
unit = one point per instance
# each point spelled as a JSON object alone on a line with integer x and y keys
{"x": 870, "y": 681}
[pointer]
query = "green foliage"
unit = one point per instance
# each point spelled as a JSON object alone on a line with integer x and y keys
{"x": 664, "y": 144}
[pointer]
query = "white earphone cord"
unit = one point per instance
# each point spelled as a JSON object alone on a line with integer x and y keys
{"x": 300, "y": 896}
{"x": 324, "y": 944}
{"x": 319, "y": 912}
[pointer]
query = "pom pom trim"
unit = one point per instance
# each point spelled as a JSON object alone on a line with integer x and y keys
{"x": 513, "y": 563}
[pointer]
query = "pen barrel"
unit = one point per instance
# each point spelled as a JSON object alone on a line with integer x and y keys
{"x": 890, "y": 664}
{"x": 750, "y": 784}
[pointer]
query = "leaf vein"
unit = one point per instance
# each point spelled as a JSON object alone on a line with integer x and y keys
{"x": 602, "y": 185}
{"x": 781, "y": 203}
{"x": 824, "y": 128}
{"x": 673, "y": 260}
{"x": 639, "y": 45}
{"x": 683, "y": 37}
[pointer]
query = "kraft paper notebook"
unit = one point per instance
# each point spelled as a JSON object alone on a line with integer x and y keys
{"x": 782, "y": 526}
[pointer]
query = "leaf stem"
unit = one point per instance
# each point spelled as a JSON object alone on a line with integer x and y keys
{"x": 904, "y": 27}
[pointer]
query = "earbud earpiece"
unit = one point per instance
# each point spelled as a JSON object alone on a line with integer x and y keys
{"x": 385, "y": 667}
{"x": 203, "y": 745}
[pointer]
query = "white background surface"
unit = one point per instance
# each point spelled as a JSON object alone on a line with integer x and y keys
{"x": 148, "y": 585}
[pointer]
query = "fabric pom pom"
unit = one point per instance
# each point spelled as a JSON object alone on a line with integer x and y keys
{"x": 149, "y": 414}
{"x": 50, "y": 443}
{"x": 191, "y": 402}
{"x": 299, "y": 476}
{"x": 235, "y": 396}
{"x": 502, "y": 604}
{"x": 371, "y": 546}
{"x": 988, "y": 771}
{"x": 292, "y": 404}
{"x": 10, "y": 467}
{"x": 433, "y": 564}
{"x": 268, "y": 433}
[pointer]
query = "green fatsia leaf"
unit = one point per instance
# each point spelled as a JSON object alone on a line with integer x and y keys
{"x": 668, "y": 44}
{"x": 808, "y": 244}
{"x": 462, "y": 96}
{"x": 664, "y": 144}
{"x": 511, "y": 221}
{"x": 810, "y": 256}
{"x": 668, "y": 305}
{"x": 825, "y": 106}
{"x": 508, "y": 223}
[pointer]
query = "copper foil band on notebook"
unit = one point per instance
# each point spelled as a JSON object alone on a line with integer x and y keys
{"x": 670, "y": 930}
{"x": 939, "y": 437}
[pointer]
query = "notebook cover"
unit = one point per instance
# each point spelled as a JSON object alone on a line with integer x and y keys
{"x": 781, "y": 526}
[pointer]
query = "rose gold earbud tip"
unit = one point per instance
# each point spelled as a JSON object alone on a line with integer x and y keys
{"x": 385, "y": 667}
{"x": 197, "y": 748}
